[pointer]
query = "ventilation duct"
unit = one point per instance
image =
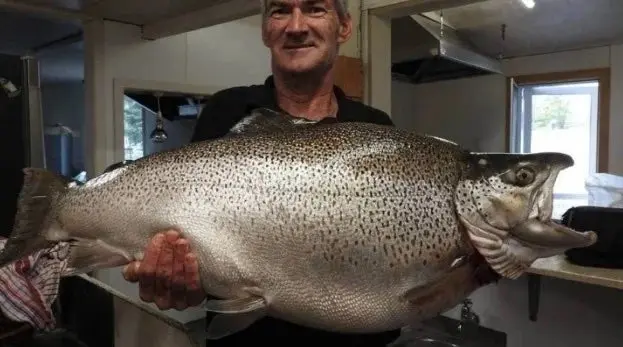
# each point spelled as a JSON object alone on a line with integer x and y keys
{"x": 442, "y": 54}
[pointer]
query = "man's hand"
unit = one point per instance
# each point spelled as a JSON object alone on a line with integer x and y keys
{"x": 168, "y": 275}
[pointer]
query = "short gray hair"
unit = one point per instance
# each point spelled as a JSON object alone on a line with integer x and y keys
{"x": 341, "y": 6}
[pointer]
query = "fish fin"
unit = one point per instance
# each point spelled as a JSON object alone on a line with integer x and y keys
{"x": 509, "y": 259}
{"x": 40, "y": 190}
{"x": 235, "y": 315}
{"x": 88, "y": 255}
{"x": 443, "y": 291}
{"x": 263, "y": 119}
{"x": 223, "y": 325}
{"x": 241, "y": 305}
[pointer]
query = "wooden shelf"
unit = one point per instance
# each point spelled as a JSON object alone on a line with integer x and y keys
{"x": 559, "y": 267}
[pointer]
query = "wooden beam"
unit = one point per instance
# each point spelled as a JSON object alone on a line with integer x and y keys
{"x": 222, "y": 12}
{"x": 401, "y": 8}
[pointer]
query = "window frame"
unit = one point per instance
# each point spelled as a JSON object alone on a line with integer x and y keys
{"x": 602, "y": 75}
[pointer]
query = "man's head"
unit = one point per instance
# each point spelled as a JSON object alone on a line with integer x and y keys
{"x": 304, "y": 35}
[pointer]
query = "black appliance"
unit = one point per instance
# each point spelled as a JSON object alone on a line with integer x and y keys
{"x": 21, "y": 129}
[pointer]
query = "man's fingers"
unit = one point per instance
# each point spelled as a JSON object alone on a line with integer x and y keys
{"x": 147, "y": 268}
{"x": 130, "y": 272}
{"x": 178, "y": 285}
{"x": 195, "y": 293}
{"x": 164, "y": 271}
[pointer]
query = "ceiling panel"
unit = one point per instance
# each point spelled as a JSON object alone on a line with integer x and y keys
{"x": 145, "y": 11}
{"x": 21, "y": 32}
{"x": 137, "y": 12}
{"x": 552, "y": 25}
{"x": 65, "y": 4}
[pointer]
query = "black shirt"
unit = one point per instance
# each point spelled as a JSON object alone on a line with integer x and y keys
{"x": 226, "y": 108}
{"x": 222, "y": 111}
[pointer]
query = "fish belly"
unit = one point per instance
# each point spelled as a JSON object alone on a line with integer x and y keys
{"x": 342, "y": 266}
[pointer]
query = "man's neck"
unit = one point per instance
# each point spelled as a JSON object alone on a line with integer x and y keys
{"x": 310, "y": 96}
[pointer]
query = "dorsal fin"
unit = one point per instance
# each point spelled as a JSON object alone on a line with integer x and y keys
{"x": 264, "y": 119}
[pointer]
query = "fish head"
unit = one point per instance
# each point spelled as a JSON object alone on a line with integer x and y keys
{"x": 505, "y": 202}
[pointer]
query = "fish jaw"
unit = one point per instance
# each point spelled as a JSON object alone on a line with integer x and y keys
{"x": 505, "y": 201}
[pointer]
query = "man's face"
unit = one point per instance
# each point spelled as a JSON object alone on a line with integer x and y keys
{"x": 304, "y": 35}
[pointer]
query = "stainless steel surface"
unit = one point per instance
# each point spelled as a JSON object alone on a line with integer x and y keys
{"x": 33, "y": 112}
{"x": 450, "y": 46}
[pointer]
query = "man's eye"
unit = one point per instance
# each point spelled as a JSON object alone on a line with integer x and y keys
{"x": 316, "y": 11}
{"x": 278, "y": 12}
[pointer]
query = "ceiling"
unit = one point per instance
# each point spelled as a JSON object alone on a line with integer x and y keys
{"x": 552, "y": 25}
{"x": 56, "y": 43}
{"x": 137, "y": 12}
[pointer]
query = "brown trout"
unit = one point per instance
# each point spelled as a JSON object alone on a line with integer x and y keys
{"x": 347, "y": 227}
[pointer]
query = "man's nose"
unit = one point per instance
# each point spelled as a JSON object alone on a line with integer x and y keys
{"x": 297, "y": 23}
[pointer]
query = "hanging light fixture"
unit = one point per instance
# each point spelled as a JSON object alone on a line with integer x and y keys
{"x": 159, "y": 135}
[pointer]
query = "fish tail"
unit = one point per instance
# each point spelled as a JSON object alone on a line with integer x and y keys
{"x": 35, "y": 203}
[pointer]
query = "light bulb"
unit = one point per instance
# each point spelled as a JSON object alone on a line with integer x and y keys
{"x": 528, "y": 3}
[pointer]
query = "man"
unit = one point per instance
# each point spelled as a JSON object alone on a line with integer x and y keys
{"x": 303, "y": 37}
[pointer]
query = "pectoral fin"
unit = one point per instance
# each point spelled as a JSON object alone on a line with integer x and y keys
{"x": 241, "y": 305}
{"x": 88, "y": 255}
{"x": 234, "y": 315}
{"x": 223, "y": 325}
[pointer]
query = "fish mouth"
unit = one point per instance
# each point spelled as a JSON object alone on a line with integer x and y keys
{"x": 551, "y": 235}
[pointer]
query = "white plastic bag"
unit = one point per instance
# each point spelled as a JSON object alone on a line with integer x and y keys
{"x": 605, "y": 190}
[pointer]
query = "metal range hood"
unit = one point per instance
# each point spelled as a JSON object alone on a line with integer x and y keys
{"x": 442, "y": 55}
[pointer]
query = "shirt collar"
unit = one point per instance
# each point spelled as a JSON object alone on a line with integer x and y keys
{"x": 269, "y": 99}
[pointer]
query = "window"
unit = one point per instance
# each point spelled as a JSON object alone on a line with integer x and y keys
{"x": 558, "y": 113}
{"x": 133, "y": 138}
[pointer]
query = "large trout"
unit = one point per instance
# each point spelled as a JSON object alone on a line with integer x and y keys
{"x": 347, "y": 227}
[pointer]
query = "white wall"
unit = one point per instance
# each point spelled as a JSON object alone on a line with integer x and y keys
{"x": 472, "y": 112}
{"x": 449, "y": 108}
{"x": 221, "y": 56}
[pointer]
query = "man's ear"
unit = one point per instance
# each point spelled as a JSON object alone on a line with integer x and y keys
{"x": 346, "y": 29}
{"x": 264, "y": 33}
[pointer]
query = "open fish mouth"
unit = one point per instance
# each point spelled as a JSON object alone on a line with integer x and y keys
{"x": 550, "y": 234}
{"x": 542, "y": 231}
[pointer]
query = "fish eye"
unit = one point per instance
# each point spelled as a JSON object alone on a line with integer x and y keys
{"x": 524, "y": 176}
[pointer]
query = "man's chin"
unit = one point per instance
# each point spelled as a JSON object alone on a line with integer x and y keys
{"x": 301, "y": 68}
